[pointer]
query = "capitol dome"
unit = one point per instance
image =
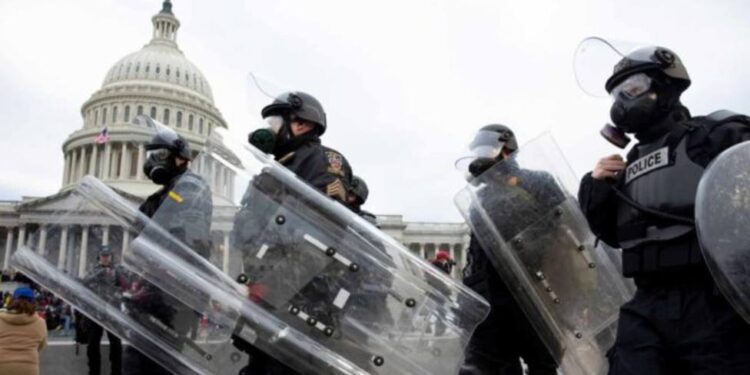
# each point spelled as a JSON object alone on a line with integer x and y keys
{"x": 157, "y": 81}
{"x": 160, "y": 60}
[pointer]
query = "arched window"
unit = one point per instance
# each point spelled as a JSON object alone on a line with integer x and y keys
{"x": 104, "y": 116}
{"x": 166, "y": 117}
{"x": 190, "y": 122}
{"x": 179, "y": 119}
{"x": 114, "y": 114}
{"x": 178, "y": 73}
{"x": 157, "y": 69}
{"x": 127, "y": 113}
{"x": 168, "y": 70}
{"x": 200, "y": 123}
{"x": 148, "y": 66}
{"x": 153, "y": 112}
{"x": 200, "y": 128}
{"x": 137, "y": 67}
{"x": 96, "y": 117}
{"x": 140, "y": 110}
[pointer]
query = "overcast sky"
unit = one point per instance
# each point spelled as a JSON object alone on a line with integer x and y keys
{"x": 405, "y": 83}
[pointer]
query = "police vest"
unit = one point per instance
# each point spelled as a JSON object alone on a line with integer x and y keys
{"x": 661, "y": 176}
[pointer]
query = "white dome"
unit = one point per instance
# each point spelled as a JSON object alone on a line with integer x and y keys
{"x": 161, "y": 60}
{"x": 162, "y": 63}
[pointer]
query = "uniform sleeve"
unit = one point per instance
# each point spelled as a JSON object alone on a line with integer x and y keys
{"x": 599, "y": 204}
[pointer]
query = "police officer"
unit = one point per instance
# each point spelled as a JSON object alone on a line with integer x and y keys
{"x": 108, "y": 280}
{"x": 506, "y": 336}
{"x": 677, "y": 322}
{"x": 357, "y": 197}
{"x": 296, "y": 121}
{"x": 183, "y": 207}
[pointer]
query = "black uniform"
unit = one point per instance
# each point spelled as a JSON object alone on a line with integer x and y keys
{"x": 507, "y": 335}
{"x": 677, "y": 322}
{"x": 183, "y": 207}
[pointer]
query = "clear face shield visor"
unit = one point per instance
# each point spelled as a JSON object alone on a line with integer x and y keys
{"x": 486, "y": 145}
{"x": 275, "y": 123}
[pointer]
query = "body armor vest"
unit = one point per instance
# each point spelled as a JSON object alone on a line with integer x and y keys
{"x": 663, "y": 178}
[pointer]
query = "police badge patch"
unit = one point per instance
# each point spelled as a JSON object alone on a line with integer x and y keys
{"x": 335, "y": 163}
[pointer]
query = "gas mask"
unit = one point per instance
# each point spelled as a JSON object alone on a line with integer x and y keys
{"x": 160, "y": 166}
{"x": 266, "y": 139}
{"x": 636, "y": 104}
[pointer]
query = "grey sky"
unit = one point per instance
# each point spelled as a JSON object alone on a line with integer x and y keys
{"x": 405, "y": 83}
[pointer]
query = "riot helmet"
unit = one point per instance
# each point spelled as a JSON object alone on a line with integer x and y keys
{"x": 297, "y": 104}
{"x": 654, "y": 61}
{"x": 165, "y": 145}
{"x": 359, "y": 190}
{"x": 487, "y": 148}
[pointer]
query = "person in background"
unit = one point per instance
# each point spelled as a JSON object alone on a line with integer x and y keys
{"x": 22, "y": 335}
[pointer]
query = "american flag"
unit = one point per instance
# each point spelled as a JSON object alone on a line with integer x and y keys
{"x": 103, "y": 136}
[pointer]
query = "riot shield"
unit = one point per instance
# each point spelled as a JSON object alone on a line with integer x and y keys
{"x": 524, "y": 216}
{"x": 323, "y": 291}
{"x": 183, "y": 339}
{"x": 722, "y": 218}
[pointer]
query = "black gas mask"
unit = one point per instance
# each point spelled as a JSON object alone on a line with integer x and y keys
{"x": 161, "y": 167}
{"x": 636, "y": 104}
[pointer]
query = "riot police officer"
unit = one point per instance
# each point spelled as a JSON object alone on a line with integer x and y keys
{"x": 296, "y": 121}
{"x": 506, "y": 336}
{"x": 677, "y": 322}
{"x": 183, "y": 207}
{"x": 109, "y": 280}
{"x": 357, "y": 197}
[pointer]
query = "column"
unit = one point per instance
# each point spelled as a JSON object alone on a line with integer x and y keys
{"x": 84, "y": 251}
{"x": 8, "y": 248}
{"x": 107, "y": 160}
{"x": 92, "y": 160}
{"x": 225, "y": 254}
{"x": 125, "y": 241}
{"x": 66, "y": 168}
{"x": 123, "y": 160}
{"x": 63, "y": 248}
{"x": 42, "y": 240}
{"x": 422, "y": 250}
{"x": 21, "y": 236}
{"x": 141, "y": 158}
{"x": 105, "y": 234}
{"x": 82, "y": 163}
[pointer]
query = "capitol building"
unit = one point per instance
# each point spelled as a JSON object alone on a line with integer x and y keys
{"x": 158, "y": 81}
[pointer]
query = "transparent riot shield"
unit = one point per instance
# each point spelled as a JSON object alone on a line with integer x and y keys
{"x": 722, "y": 218}
{"x": 322, "y": 290}
{"x": 523, "y": 214}
{"x": 184, "y": 339}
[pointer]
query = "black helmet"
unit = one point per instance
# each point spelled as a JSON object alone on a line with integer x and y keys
{"x": 359, "y": 189}
{"x": 300, "y": 104}
{"x": 165, "y": 138}
{"x": 650, "y": 60}
{"x": 505, "y": 136}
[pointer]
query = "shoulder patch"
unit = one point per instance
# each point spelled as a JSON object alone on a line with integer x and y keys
{"x": 175, "y": 197}
{"x": 335, "y": 163}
